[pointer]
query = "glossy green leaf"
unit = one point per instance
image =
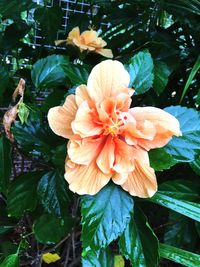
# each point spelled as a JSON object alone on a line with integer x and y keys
{"x": 22, "y": 194}
{"x": 180, "y": 231}
{"x": 13, "y": 8}
{"x": 11, "y": 261}
{"x": 161, "y": 160}
{"x": 5, "y": 163}
{"x": 53, "y": 193}
{"x": 181, "y": 189}
{"x": 102, "y": 258}
{"x": 56, "y": 98}
{"x": 50, "y": 20}
{"x": 195, "y": 164}
{"x": 49, "y": 72}
{"x": 50, "y": 230}
{"x": 138, "y": 243}
{"x": 161, "y": 74}
{"x": 58, "y": 156}
{"x": 35, "y": 137}
{"x": 105, "y": 216}
{"x": 140, "y": 68}
{"x": 189, "y": 209}
{"x": 198, "y": 98}
{"x": 185, "y": 147}
{"x": 14, "y": 33}
{"x": 191, "y": 76}
{"x": 78, "y": 74}
{"x": 180, "y": 256}
{"x": 197, "y": 226}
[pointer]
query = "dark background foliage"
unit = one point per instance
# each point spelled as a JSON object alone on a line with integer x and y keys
{"x": 159, "y": 42}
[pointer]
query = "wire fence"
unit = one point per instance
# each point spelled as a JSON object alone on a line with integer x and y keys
{"x": 35, "y": 39}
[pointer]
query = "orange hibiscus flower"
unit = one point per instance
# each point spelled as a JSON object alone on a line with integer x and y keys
{"x": 108, "y": 139}
{"x": 87, "y": 40}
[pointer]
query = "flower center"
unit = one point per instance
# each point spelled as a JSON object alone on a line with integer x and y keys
{"x": 112, "y": 129}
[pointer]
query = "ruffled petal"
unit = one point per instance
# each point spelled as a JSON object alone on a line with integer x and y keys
{"x": 142, "y": 181}
{"x": 82, "y": 95}
{"x": 136, "y": 130}
{"x": 105, "y": 52}
{"x": 84, "y": 123}
{"x": 98, "y": 43}
{"x": 58, "y": 42}
{"x": 124, "y": 157}
{"x": 85, "y": 150}
{"x": 119, "y": 178}
{"x": 74, "y": 34}
{"x": 106, "y": 157}
{"x": 108, "y": 79}
{"x": 60, "y": 118}
{"x": 89, "y": 36}
{"x": 165, "y": 125}
{"x": 82, "y": 45}
{"x": 84, "y": 179}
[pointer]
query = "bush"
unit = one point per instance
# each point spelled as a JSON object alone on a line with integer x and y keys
{"x": 41, "y": 220}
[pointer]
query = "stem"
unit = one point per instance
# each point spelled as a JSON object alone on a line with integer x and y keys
{"x": 57, "y": 245}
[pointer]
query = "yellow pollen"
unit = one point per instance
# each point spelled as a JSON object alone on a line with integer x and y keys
{"x": 113, "y": 129}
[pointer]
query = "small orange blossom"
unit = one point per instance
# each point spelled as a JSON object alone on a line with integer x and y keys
{"x": 87, "y": 40}
{"x": 108, "y": 139}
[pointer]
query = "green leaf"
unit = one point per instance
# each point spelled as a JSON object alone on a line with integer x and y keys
{"x": 198, "y": 98}
{"x": 160, "y": 160}
{"x": 102, "y": 258}
{"x": 54, "y": 99}
{"x": 22, "y": 194}
{"x": 59, "y": 155}
{"x": 53, "y": 194}
{"x": 191, "y": 77}
{"x": 11, "y": 261}
{"x": 13, "y": 33}
{"x": 6, "y": 228}
{"x": 179, "y": 255}
{"x": 138, "y": 243}
{"x": 49, "y": 72}
{"x": 13, "y": 8}
{"x": 6, "y": 223}
{"x": 78, "y": 74}
{"x": 161, "y": 74}
{"x": 50, "y": 20}
{"x": 50, "y": 230}
{"x": 140, "y": 69}
{"x": 197, "y": 225}
{"x": 23, "y": 113}
{"x": 105, "y": 216}
{"x": 4, "y": 74}
{"x": 189, "y": 209}
{"x": 35, "y": 137}
{"x": 5, "y": 163}
{"x": 181, "y": 189}
{"x": 195, "y": 164}
{"x": 185, "y": 147}
{"x": 180, "y": 231}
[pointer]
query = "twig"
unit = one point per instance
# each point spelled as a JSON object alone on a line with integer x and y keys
{"x": 67, "y": 256}
{"x": 74, "y": 262}
{"x": 73, "y": 245}
{"x": 57, "y": 245}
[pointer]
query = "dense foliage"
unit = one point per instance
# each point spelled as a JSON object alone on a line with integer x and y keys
{"x": 159, "y": 43}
